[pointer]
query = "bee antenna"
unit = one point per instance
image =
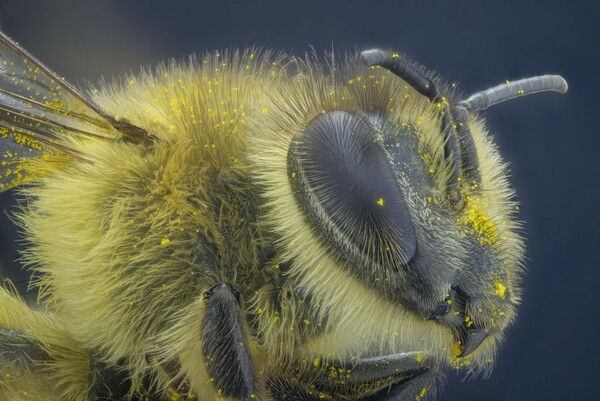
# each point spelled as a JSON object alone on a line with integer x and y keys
{"x": 468, "y": 151}
{"x": 510, "y": 90}
{"x": 452, "y": 155}
{"x": 393, "y": 63}
{"x": 459, "y": 147}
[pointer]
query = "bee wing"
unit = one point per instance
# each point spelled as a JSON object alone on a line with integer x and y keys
{"x": 39, "y": 110}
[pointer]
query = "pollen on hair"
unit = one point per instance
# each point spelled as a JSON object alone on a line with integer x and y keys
{"x": 474, "y": 216}
{"x": 499, "y": 287}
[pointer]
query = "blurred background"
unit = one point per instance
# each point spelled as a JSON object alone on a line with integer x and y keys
{"x": 551, "y": 141}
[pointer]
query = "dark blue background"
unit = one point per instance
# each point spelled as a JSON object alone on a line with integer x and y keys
{"x": 551, "y": 141}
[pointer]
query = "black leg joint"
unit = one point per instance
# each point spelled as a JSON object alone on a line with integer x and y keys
{"x": 224, "y": 343}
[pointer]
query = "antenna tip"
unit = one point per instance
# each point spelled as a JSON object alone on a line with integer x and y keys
{"x": 563, "y": 86}
{"x": 373, "y": 57}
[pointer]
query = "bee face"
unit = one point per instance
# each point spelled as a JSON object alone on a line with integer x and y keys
{"x": 432, "y": 230}
{"x": 364, "y": 187}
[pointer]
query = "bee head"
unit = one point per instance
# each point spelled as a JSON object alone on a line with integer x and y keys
{"x": 428, "y": 224}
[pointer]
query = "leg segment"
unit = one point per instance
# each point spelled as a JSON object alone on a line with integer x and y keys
{"x": 39, "y": 360}
{"x": 399, "y": 377}
{"x": 420, "y": 387}
{"x": 109, "y": 383}
{"x": 18, "y": 351}
{"x": 224, "y": 344}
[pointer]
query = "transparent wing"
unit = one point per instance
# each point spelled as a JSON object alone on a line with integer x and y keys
{"x": 19, "y": 148}
{"x": 38, "y": 111}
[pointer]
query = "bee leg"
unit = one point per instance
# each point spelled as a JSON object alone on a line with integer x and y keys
{"x": 395, "y": 377}
{"x": 285, "y": 388}
{"x": 39, "y": 359}
{"x": 29, "y": 373}
{"x": 224, "y": 343}
{"x": 400, "y": 377}
{"x": 18, "y": 351}
{"x": 108, "y": 382}
{"x": 388, "y": 367}
{"x": 19, "y": 356}
{"x": 420, "y": 387}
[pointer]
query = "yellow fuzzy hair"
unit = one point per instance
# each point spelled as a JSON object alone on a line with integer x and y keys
{"x": 126, "y": 240}
{"x": 63, "y": 376}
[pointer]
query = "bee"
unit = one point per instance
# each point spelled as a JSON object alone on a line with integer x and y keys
{"x": 249, "y": 225}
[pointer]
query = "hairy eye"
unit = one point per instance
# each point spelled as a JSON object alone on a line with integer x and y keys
{"x": 344, "y": 181}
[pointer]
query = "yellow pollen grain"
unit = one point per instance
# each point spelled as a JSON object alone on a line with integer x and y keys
{"x": 164, "y": 241}
{"x": 482, "y": 225}
{"x": 457, "y": 349}
{"x": 380, "y": 201}
{"x": 316, "y": 362}
{"x": 499, "y": 287}
{"x": 419, "y": 357}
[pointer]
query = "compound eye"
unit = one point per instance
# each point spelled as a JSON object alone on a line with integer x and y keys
{"x": 348, "y": 186}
